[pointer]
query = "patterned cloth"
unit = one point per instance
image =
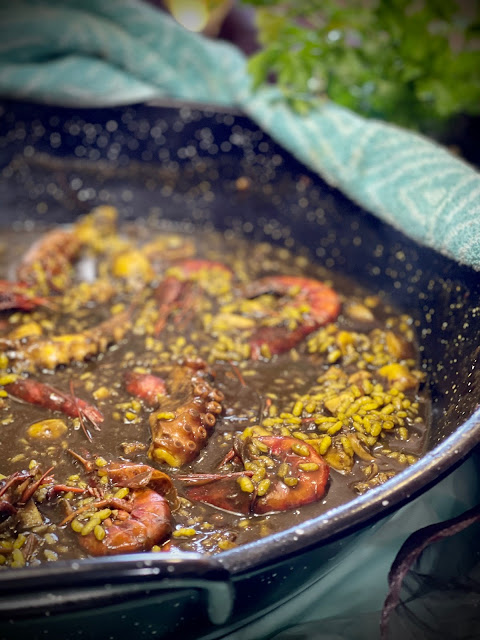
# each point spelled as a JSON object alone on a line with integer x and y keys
{"x": 100, "y": 53}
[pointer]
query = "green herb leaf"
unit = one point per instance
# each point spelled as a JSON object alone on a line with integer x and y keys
{"x": 411, "y": 62}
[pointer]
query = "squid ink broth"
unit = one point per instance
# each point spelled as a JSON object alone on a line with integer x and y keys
{"x": 167, "y": 391}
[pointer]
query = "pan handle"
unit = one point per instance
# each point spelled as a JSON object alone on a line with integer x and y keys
{"x": 28, "y": 593}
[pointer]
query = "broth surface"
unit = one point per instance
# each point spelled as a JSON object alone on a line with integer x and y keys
{"x": 350, "y": 390}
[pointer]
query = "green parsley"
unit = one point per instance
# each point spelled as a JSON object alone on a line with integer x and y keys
{"x": 413, "y": 62}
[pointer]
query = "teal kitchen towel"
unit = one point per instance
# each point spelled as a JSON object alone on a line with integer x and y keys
{"x": 104, "y": 52}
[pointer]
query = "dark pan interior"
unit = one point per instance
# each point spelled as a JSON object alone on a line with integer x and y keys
{"x": 180, "y": 165}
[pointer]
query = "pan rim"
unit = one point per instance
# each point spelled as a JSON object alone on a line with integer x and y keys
{"x": 352, "y": 515}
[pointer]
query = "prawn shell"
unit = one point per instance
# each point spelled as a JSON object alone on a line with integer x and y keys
{"x": 278, "y": 339}
{"x": 311, "y": 485}
{"x": 226, "y": 494}
{"x": 148, "y": 524}
{"x": 146, "y": 386}
{"x": 138, "y": 476}
{"x": 322, "y": 300}
{"x": 15, "y": 295}
{"x": 48, "y": 397}
{"x": 176, "y": 292}
{"x": 53, "y": 253}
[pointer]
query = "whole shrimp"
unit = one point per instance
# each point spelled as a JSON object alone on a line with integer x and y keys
{"x": 176, "y": 292}
{"x": 294, "y": 474}
{"x": 313, "y": 301}
{"x": 49, "y": 353}
{"x": 13, "y": 491}
{"x": 18, "y": 488}
{"x": 17, "y": 295}
{"x": 148, "y": 387}
{"x": 136, "y": 522}
{"x": 44, "y": 395}
{"x": 47, "y": 265}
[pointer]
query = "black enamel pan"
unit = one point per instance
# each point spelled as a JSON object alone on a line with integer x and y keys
{"x": 182, "y": 163}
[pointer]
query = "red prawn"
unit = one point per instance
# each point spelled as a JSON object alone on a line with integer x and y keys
{"x": 47, "y": 265}
{"x": 146, "y": 386}
{"x": 8, "y": 504}
{"x": 18, "y": 488}
{"x": 176, "y": 291}
{"x": 322, "y": 306}
{"x": 15, "y": 295}
{"x": 311, "y": 481}
{"x": 50, "y": 256}
{"x": 142, "y": 520}
{"x": 49, "y": 397}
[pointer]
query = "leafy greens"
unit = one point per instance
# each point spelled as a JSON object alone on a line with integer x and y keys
{"x": 413, "y": 62}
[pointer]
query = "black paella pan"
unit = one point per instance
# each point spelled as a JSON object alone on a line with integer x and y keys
{"x": 58, "y": 163}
